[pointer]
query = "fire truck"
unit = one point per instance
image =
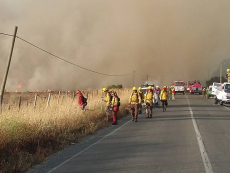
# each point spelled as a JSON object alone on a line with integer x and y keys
{"x": 195, "y": 87}
{"x": 179, "y": 86}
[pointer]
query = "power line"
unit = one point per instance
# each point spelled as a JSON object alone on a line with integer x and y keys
{"x": 1, "y": 33}
{"x": 140, "y": 74}
{"x": 65, "y": 59}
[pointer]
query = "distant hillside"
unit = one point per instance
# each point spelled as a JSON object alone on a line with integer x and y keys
{"x": 226, "y": 65}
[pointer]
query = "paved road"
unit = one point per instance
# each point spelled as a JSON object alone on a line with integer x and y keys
{"x": 192, "y": 136}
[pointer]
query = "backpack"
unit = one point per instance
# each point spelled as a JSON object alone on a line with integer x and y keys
{"x": 84, "y": 99}
{"x": 119, "y": 102}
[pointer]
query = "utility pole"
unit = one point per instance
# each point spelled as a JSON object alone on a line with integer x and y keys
{"x": 133, "y": 78}
{"x": 7, "y": 69}
{"x": 147, "y": 79}
{"x": 220, "y": 73}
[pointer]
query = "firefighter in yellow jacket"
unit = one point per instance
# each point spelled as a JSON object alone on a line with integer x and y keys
{"x": 134, "y": 102}
{"x": 115, "y": 104}
{"x": 149, "y": 100}
{"x": 142, "y": 99}
{"x": 164, "y": 98}
{"x": 107, "y": 101}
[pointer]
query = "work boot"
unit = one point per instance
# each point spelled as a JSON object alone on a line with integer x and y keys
{"x": 114, "y": 123}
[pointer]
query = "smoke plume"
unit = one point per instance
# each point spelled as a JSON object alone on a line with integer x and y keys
{"x": 168, "y": 40}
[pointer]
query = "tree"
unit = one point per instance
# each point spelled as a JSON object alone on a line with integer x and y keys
{"x": 115, "y": 87}
{"x": 215, "y": 79}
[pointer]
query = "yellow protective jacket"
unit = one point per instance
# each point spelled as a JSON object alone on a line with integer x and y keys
{"x": 164, "y": 95}
{"x": 149, "y": 97}
{"x": 135, "y": 98}
{"x": 107, "y": 99}
{"x": 141, "y": 95}
{"x": 115, "y": 101}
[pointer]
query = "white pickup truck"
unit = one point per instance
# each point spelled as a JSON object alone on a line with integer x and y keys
{"x": 215, "y": 85}
{"x": 223, "y": 93}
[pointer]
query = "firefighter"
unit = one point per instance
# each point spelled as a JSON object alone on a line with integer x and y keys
{"x": 228, "y": 75}
{"x": 107, "y": 101}
{"x": 142, "y": 99}
{"x": 204, "y": 92}
{"x": 173, "y": 92}
{"x": 149, "y": 100}
{"x": 158, "y": 91}
{"x": 164, "y": 98}
{"x": 82, "y": 101}
{"x": 134, "y": 101}
{"x": 115, "y": 104}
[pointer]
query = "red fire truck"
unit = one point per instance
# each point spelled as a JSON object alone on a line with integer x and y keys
{"x": 195, "y": 87}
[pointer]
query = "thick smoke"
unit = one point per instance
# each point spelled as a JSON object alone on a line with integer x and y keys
{"x": 168, "y": 40}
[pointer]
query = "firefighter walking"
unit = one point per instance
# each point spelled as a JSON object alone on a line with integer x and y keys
{"x": 142, "y": 99}
{"x": 164, "y": 98}
{"x": 173, "y": 93}
{"x": 134, "y": 101}
{"x": 115, "y": 104}
{"x": 107, "y": 101}
{"x": 204, "y": 91}
{"x": 149, "y": 100}
{"x": 158, "y": 91}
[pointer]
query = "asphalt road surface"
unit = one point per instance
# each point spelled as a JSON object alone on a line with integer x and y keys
{"x": 193, "y": 135}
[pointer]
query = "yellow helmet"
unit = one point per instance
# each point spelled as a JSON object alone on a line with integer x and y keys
{"x": 104, "y": 89}
{"x": 228, "y": 70}
{"x": 139, "y": 88}
{"x": 149, "y": 87}
{"x": 134, "y": 88}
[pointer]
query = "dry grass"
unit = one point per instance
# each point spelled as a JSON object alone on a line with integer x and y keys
{"x": 28, "y": 135}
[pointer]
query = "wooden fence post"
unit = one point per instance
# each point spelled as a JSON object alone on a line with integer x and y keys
{"x": 35, "y": 101}
{"x": 19, "y": 102}
{"x": 48, "y": 101}
{"x": 74, "y": 95}
{"x": 59, "y": 93}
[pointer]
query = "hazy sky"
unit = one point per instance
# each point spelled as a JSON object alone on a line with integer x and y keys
{"x": 169, "y": 40}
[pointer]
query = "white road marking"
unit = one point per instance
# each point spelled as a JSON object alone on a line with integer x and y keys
{"x": 204, "y": 155}
{"x": 86, "y": 148}
{"x": 227, "y": 108}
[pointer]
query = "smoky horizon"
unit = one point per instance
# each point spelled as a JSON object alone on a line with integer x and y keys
{"x": 166, "y": 40}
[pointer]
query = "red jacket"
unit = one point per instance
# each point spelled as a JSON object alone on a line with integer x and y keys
{"x": 80, "y": 99}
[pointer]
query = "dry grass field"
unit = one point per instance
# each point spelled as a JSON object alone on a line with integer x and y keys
{"x": 30, "y": 132}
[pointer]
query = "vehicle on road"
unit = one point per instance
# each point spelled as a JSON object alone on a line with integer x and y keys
{"x": 195, "y": 87}
{"x": 209, "y": 92}
{"x": 179, "y": 87}
{"x": 215, "y": 85}
{"x": 145, "y": 87}
{"x": 223, "y": 94}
